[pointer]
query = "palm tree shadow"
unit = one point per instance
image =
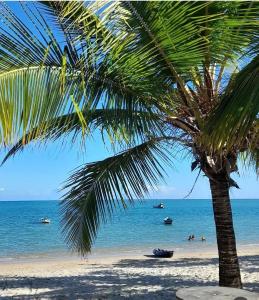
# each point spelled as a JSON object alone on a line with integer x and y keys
{"x": 117, "y": 282}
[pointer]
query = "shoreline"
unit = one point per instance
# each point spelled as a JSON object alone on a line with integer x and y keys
{"x": 9, "y": 266}
{"x": 206, "y": 251}
{"x": 119, "y": 277}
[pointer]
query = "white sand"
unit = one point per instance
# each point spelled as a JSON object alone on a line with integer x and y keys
{"x": 118, "y": 277}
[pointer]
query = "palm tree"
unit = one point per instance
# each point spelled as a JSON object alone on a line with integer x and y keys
{"x": 153, "y": 77}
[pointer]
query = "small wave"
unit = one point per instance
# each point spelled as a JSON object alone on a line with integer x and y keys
{"x": 248, "y": 245}
{"x": 5, "y": 259}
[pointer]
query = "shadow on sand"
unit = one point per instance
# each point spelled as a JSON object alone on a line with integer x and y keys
{"x": 115, "y": 282}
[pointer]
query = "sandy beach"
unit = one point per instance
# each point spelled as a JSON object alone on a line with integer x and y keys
{"x": 115, "y": 277}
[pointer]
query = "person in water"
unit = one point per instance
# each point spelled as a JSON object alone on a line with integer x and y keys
{"x": 191, "y": 237}
{"x": 203, "y": 239}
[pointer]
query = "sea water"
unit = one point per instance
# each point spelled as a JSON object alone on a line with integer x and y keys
{"x": 137, "y": 228}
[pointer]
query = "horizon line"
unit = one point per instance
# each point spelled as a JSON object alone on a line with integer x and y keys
{"x": 147, "y": 199}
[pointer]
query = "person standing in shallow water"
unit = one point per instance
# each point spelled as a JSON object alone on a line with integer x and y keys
{"x": 191, "y": 237}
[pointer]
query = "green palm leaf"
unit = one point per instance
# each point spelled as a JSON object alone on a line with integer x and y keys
{"x": 98, "y": 188}
{"x": 118, "y": 124}
{"x": 35, "y": 96}
{"x": 238, "y": 109}
{"x": 42, "y": 83}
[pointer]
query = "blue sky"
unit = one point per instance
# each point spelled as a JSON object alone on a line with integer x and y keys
{"x": 38, "y": 172}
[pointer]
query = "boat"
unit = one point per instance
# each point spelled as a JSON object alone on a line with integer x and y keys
{"x": 45, "y": 220}
{"x": 168, "y": 221}
{"x": 163, "y": 253}
{"x": 160, "y": 205}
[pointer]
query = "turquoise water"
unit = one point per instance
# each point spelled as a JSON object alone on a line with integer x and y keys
{"x": 139, "y": 227}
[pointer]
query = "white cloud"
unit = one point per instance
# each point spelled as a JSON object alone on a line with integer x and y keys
{"x": 2, "y": 189}
{"x": 162, "y": 191}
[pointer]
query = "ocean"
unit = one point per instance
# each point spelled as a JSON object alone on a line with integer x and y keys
{"x": 138, "y": 228}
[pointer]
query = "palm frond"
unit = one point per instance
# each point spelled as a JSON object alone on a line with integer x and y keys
{"x": 41, "y": 83}
{"x": 108, "y": 72}
{"x": 33, "y": 87}
{"x": 169, "y": 30}
{"x": 254, "y": 159}
{"x": 98, "y": 188}
{"x": 22, "y": 46}
{"x": 238, "y": 108}
{"x": 28, "y": 97}
{"x": 118, "y": 124}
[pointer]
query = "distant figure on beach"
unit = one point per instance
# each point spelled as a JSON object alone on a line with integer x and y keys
{"x": 193, "y": 237}
{"x": 203, "y": 239}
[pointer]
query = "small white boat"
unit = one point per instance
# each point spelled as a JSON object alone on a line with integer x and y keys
{"x": 168, "y": 221}
{"x": 160, "y": 205}
{"x": 45, "y": 220}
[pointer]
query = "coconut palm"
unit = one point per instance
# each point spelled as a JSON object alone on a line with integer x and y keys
{"x": 153, "y": 78}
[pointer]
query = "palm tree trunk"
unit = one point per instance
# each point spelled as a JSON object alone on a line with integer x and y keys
{"x": 229, "y": 272}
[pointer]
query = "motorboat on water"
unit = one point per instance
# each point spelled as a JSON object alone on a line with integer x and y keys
{"x": 45, "y": 220}
{"x": 168, "y": 221}
{"x": 160, "y": 205}
{"x": 163, "y": 253}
